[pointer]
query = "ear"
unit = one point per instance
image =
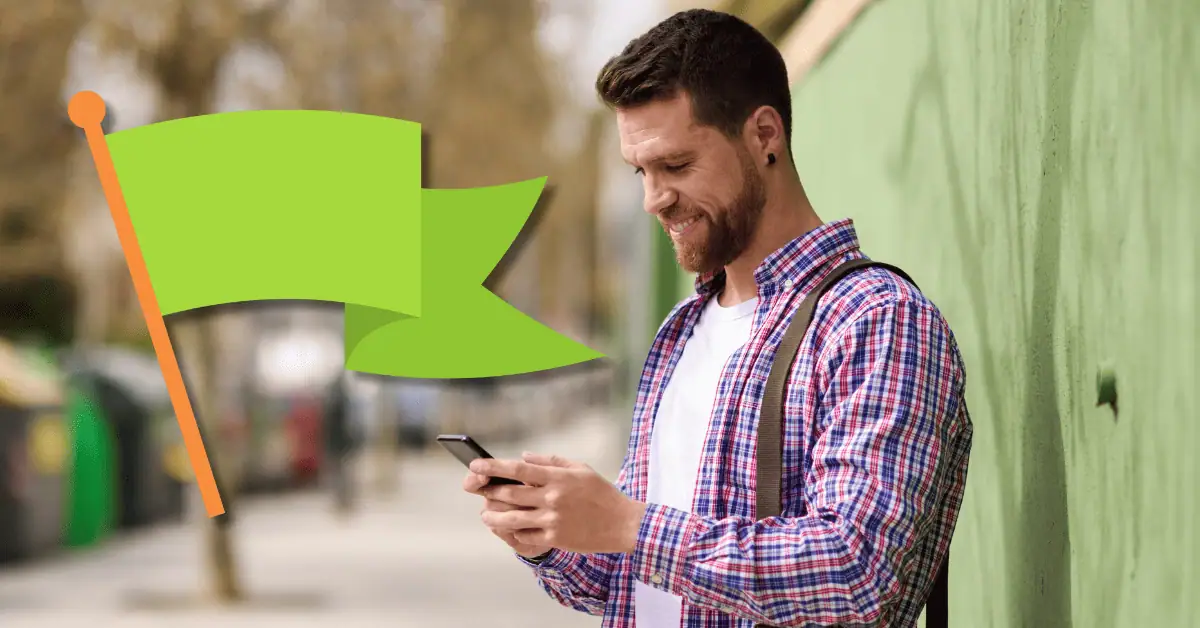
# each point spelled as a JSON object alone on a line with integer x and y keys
{"x": 764, "y": 134}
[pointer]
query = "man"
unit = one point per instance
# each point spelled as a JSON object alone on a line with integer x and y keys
{"x": 339, "y": 443}
{"x": 876, "y": 434}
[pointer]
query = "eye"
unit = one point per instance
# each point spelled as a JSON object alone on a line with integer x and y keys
{"x": 678, "y": 168}
{"x": 639, "y": 171}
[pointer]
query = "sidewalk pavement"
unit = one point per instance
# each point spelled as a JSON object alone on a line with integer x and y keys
{"x": 419, "y": 558}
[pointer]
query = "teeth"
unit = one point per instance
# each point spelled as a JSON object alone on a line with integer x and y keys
{"x": 681, "y": 226}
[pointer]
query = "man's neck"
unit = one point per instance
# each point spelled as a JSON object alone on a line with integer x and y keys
{"x": 787, "y": 217}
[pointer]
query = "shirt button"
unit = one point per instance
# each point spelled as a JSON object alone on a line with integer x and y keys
{"x": 787, "y": 285}
{"x": 727, "y": 609}
{"x": 656, "y": 579}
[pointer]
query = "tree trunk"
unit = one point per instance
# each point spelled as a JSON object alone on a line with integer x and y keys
{"x": 196, "y": 338}
{"x": 186, "y": 67}
{"x": 193, "y": 338}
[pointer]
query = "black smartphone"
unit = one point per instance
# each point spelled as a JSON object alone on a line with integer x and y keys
{"x": 467, "y": 450}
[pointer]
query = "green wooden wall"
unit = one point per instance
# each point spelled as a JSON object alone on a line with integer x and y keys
{"x": 1036, "y": 166}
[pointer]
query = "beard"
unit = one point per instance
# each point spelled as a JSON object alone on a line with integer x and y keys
{"x": 728, "y": 230}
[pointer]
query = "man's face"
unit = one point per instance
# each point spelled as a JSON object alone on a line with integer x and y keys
{"x": 702, "y": 186}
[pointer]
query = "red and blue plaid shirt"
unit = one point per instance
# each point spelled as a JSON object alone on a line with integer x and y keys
{"x": 875, "y": 449}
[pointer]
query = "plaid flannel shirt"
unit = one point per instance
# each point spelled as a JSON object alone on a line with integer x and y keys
{"x": 875, "y": 448}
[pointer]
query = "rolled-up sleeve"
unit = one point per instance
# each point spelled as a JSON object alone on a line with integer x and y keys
{"x": 579, "y": 581}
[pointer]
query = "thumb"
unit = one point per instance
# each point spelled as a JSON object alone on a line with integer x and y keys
{"x": 548, "y": 461}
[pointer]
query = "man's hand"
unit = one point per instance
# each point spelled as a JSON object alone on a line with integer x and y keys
{"x": 474, "y": 483}
{"x": 563, "y": 504}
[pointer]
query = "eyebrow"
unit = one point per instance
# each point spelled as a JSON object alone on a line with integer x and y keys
{"x": 674, "y": 156}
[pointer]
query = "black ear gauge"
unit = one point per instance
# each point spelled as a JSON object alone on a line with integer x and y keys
{"x": 770, "y": 159}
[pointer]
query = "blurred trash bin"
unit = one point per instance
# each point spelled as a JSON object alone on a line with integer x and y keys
{"x": 91, "y": 507}
{"x": 151, "y": 463}
{"x": 34, "y": 454}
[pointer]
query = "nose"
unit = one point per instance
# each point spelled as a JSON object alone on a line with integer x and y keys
{"x": 658, "y": 197}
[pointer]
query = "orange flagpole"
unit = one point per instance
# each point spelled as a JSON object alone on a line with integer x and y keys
{"x": 87, "y": 111}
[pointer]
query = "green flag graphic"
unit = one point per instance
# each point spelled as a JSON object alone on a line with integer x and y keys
{"x": 328, "y": 206}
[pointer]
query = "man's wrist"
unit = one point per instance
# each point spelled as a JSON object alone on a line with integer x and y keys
{"x": 539, "y": 561}
{"x": 538, "y": 558}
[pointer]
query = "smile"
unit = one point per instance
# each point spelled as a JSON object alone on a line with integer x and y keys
{"x": 679, "y": 227}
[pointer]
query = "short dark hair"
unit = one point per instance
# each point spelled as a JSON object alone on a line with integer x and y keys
{"x": 725, "y": 65}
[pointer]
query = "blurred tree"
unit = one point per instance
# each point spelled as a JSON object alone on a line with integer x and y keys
{"x": 570, "y": 247}
{"x": 376, "y": 61}
{"x": 485, "y": 105}
{"x": 36, "y": 37}
{"x": 181, "y": 46}
{"x": 349, "y": 56}
{"x": 773, "y": 17}
{"x": 594, "y": 305}
{"x": 197, "y": 340}
{"x": 490, "y": 113}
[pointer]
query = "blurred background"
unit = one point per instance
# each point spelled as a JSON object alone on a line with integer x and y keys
{"x": 1027, "y": 162}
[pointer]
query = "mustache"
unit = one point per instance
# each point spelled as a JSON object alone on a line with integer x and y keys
{"x": 676, "y": 212}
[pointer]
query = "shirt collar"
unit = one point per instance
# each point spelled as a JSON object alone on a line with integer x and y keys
{"x": 796, "y": 260}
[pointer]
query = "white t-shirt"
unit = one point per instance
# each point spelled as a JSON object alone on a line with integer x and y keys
{"x": 680, "y": 429}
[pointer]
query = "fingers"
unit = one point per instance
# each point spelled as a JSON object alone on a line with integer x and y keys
{"x": 512, "y": 520}
{"x": 548, "y": 461}
{"x": 525, "y": 549}
{"x": 474, "y": 483}
{"x": 522, "y": 496}
{"x": 519, "y": 470}
{"x": 532, "y": 536}
{"x": 497, "y": 506}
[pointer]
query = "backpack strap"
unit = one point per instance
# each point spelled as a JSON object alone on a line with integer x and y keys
{"x": 769, "y": 472}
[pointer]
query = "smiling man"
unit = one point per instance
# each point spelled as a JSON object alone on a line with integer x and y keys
{"x": 875, "y": 434}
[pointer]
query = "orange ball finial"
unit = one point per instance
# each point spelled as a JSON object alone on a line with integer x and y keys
{"x": 86, "y": 109}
